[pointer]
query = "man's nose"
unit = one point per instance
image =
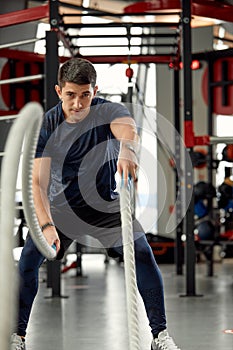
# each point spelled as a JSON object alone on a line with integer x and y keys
{"x": 78, "y": 103}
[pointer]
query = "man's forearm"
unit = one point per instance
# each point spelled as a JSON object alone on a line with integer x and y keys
{"x": 41, "y": 204}
{"x": 124, "y": 129}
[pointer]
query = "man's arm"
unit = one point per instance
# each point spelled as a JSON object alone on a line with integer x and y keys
{"x": 40, "y": 182}
{"x": 124, "y": 129}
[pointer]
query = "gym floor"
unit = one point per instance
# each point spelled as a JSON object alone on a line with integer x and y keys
{"x": 91, "y": 314}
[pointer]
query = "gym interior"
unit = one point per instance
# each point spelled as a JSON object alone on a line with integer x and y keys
{"x": 171, "y": 62}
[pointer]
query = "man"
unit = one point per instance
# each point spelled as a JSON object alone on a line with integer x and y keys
{"x": 84, "y": 141}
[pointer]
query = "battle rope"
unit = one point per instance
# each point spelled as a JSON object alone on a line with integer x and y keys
{"x": 24, "y": 128}
{"x": 28, "y": 204}
{"x": 129, "y": 266}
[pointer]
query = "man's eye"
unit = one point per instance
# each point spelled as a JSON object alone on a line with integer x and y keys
{"x": 87, "y": 94}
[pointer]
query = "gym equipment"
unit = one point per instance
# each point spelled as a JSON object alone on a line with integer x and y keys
{"x": 25, "y": 129}
{"x": 24, "y": 133}
{"x": 203, "y": 190}
{"x": 225, "y": 195}
{"x": 5, "y": 125}
{"x": 205, "y": 230}
{"x": 228, "y": 181}
{"x": 200, "y": 209}
{"x": 199, "y": 190}
{"x": 227, "y": 235}
{"x": 163, "y": 248}
{"x": 227, "y": 153}
{"x": 198, "y": 158}
{"x": 27, "y": 120}
{"x": 210, "y": 191}
{"x": 129, "y": 265}
{"x": 21, "y": 79}
{"x": 20, "y": 42}
{"x": 27, "y": 164}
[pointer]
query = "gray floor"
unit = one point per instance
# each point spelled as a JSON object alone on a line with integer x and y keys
{"x": 94, "y": 314}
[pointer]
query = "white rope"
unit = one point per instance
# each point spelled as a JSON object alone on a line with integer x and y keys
{"x": 29, "y": 119}
{"x": 8, "y": 276}
{"x": 28, "y": 203}
{"x": 129, "y": 266}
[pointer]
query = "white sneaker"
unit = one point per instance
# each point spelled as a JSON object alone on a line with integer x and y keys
{"x": 163, "y": 342}
{"x": 17, "y": 342}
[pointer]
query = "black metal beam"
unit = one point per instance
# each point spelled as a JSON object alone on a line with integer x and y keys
{"x": 122, "y": 25}
{"x": 190, "y": 251}
{"x": 51, "y": 99}
{"x": 224, "y": 39}
{"x": 213, "y": 55}
{"x": 126, "y": 45}
{"x": 54, "y": 18}
{"x": 179, "y": 230}
{"x": 95, "y": 12}
{"x": 210, "y": 130}
{"x": 92, "y": 12}
{"x": 51, "y": 68}
{"x": 173, "y": 35}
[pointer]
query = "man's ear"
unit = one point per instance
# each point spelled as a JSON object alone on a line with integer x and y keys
{"x": 95, "y": 90}
{"x": 58, "y": 90}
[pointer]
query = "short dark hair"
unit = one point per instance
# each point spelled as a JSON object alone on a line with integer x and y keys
{"x": 78, "y": 71}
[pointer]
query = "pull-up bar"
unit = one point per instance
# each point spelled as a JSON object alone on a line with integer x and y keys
{"x": 22, "y": 79}
{"x": 204, "y": 140}
{"x": 21, "y": 42}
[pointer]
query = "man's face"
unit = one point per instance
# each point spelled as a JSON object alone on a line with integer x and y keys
{"x": 76, "y": 100}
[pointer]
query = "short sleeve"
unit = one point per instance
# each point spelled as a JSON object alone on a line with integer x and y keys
{"x": 112, "y": 110}
{"x": 41, "y": 149}
{"x": 118, "y": 110}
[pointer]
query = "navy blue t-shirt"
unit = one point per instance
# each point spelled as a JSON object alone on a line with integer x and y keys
{"x": 83, "y": 155}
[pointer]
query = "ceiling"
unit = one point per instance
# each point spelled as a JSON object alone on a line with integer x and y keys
{"x": 94, "y": 7}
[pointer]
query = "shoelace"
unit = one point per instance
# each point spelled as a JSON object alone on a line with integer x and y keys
{"x": 16, "y": 340}
{"x": 167, "y": 343}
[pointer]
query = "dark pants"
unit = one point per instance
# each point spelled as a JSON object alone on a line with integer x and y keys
{"x": 148, "y": 275}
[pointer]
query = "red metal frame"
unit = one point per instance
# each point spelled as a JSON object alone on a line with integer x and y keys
{"x": 203, "y": 8}
{"x": 190, "y": 139}
{"x": 212, "y": 9}
{"x": 22, "y": 16}
{"x": 21, "y": 55}
{"x": 133, "y": 59}
{"x": 146, "y": 6}
{"x": 34, "y": 57}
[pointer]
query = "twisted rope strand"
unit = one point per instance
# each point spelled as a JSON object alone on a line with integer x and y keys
{"x": 29, "y": 119}
{"x": 28, "y": 203}
{"x": 129, "y": 266}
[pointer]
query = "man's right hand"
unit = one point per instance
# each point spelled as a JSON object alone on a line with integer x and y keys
{"x": 52, "y": 237}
